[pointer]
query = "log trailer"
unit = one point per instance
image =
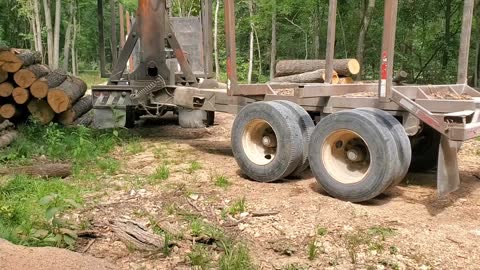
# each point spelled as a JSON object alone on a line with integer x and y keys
{"x": 366, "y": 138}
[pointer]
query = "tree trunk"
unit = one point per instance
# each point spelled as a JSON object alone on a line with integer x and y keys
{"x": 15, "y": 59}
{"x": 9, "y": 111}
{"x": 447, "y": 34}
{"x": 122, "y": 25}
{"x": 316, "y": 30}
{"x": 273, "y": 51}
{"x": 8, "y": 138}
{"x": 68, "y": 38}
{"x": 113, "y": 27}
{"x": 344, "y": 67}
{"x": 80, "y": 108}
{"x": 6, "y": 89}
{"x": 39, "y": 89}
{"x": 41, "y": 111}
{"x": 20, "y": 95}
{"x": 38, "y": 26}
{"x": 56, "y": 38}
{"x": 101, "y": 37}
{"x": 74, "y": 45}
{"x": 86, "y": 120}
{"x": 317, "y": 76}
{"x": 215, "y": 40}
{"x": 48, "y": 24}
{"x": 65, "y": 95}
{"x": 27, "y": 76}
{"x": 367, "y": 18}
{"x": 250, "y": 61}
{"x": 42, "y": 170}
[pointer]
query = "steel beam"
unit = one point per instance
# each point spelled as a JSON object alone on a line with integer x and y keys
{"x": 388, "y": 50}
{"x": 465, "y": 42}
{"x": 330, "y": 54}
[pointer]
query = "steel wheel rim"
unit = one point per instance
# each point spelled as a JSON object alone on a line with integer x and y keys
{"x": 346, "y": 156}
{"x": 259, "y": 142}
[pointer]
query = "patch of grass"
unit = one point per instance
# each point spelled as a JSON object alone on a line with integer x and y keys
{"x": 92, "y": 78}
{"x": 382, "y": 232}
{"x": 373, "y": 238}
{"x": 312, "y": 249}
{"x": 222, "y": 181}
{"x": 236, "y": 257}
{"x": 194, "y": 166}
{"x": 109, "y": 166}
{"x": 161, "y": 173}
{"x": 199, "y": 257}
{"x": 134, "y": 148}
{"x": 238, "y": 207}
{"x": 31, "y": 211}
{"x": 322, "y": 231}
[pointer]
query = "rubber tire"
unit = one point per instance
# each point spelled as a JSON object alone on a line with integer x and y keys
{"x": 401, "y": 139}
{"x": 307, "y": 126}
{"x": 382, "y": 150}
{"x": 289, "y": 141}
{"x": 425, "y": 155}
{"x": 130, "y": 117}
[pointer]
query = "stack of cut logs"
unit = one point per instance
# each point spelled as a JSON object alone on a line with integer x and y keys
{"x": 29, "y": 88}
{"x": 313, "y": 71}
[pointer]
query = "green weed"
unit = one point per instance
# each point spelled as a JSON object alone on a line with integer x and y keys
{"x": 312, "y": 249}
{"x": 222, "y": 181}
{"x": 238, "y": 207}
{"x": 161, "y": 173}
{"x": 109, "y": 165}
{"x": 322, "y": 231}
{"x": 236, "y": 257}
{"x": 194, "y": 166}
{"x": 134, "y": 148}
{"x": 199, "y": 257}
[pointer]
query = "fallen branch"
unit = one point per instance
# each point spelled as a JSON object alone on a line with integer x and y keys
{"x": 135, "y": 235}
{"x": 265, "y": 214}
{"x": 43, "y": 170}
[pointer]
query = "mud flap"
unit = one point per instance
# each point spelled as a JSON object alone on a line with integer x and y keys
{"x": 106, "y": 118}
{"x": 448, "y": 175}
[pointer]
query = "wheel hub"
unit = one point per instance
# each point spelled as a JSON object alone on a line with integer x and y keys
{"x": 259, "y": 142}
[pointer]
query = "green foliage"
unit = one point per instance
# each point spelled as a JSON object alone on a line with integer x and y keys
{"x": 322, "y": 231}
{"x": 161, "y": 173}
{"x": 236, "y": 257}
{"x": 199, "y": 257}
{"x": 372, "y": 239}
{"x": 109, "y": 165}
{"x": 31, "y": 211}
{"x": 194, "y": 166}
{"x": 312, "y": 249}
{"x": 222, "y": 181}
{"x": 239, "y": 206}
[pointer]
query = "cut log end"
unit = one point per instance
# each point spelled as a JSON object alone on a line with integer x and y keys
{"x": 39, "y": 89}
{"x": 3, "y": 75}
{"x": 20, "y": 95}
{"x": 24, "y": 78}
{"x": 353, "y": 66}
{"x": 41, "y": 111}
{"x": 6, "y": 89}
{"x": 8, "y": 111}
{"x": 58, "y": 100}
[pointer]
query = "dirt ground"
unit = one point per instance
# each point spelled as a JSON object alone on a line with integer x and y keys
{"x": 406, "y": 228}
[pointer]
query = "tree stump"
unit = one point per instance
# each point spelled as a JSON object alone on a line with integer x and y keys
{"x": 65, "y": 95}
{"x": 80, "y": 108}
{"x": 27, "y": 76}
{"x": 39, "y": 89}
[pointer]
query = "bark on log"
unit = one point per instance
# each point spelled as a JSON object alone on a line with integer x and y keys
{"x": 400, "y": 77}
{"x": 20, "y": 95}
{"x": 6, "y": 124}
{"x": 16, "y": 59}
{"x": 346, "y": 80}
{"x": 344, "y": 67}
{"x": 3, "y": 75}
{"x": 135, "y": 235}
{"x": 86, "y": 120}
{"x": 317, "y": 76}
{"x": 65, "y": 95}
{"x": 80, "y": 108}
{"x": 41, "y": 111}
{"x": 43, "y": 170}
{"x": 27, "y": 76}
{"x": 6, "y": 89}
{"x": 9, "y": 111}
{"x": 7, "y": 138}
{"x": 39, "y": 89}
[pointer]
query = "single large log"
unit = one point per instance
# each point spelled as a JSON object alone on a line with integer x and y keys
{"x": 27, "y": 76}
{"x": 80, "y": 108}
{"x": 6, "y": 89}
{"x": 65, "y": 95}
{"x": 344, "y": 67}
{"x": 9, "y": 111}
{"x": 41, "y": 111}
{"x": 16, "y": 59}
{"x": 39, "y": 89}
{"x": 7, "y": 138}
{"x": 20, "y": 95}
{"x": 317, "y": 76}
{"x": 86, "y": 120}
{"x": 3, "y": 75}
{"x": 43, "y": 170}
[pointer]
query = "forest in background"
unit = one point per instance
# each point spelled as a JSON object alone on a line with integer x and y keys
{"x": 66, "y": 32}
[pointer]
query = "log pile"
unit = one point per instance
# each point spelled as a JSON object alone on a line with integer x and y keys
{"x": 30, "y": 89}
{"x": 313, "y": 71}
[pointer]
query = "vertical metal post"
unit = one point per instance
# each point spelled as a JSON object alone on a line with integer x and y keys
{"x": 332, "y": 25}
{"x": 232, "y": 84}
{"x": 465, "y": 42}
{"x": 388, "y": 50}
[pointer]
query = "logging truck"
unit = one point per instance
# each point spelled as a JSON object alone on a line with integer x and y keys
{"x": 359, "y": 139}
